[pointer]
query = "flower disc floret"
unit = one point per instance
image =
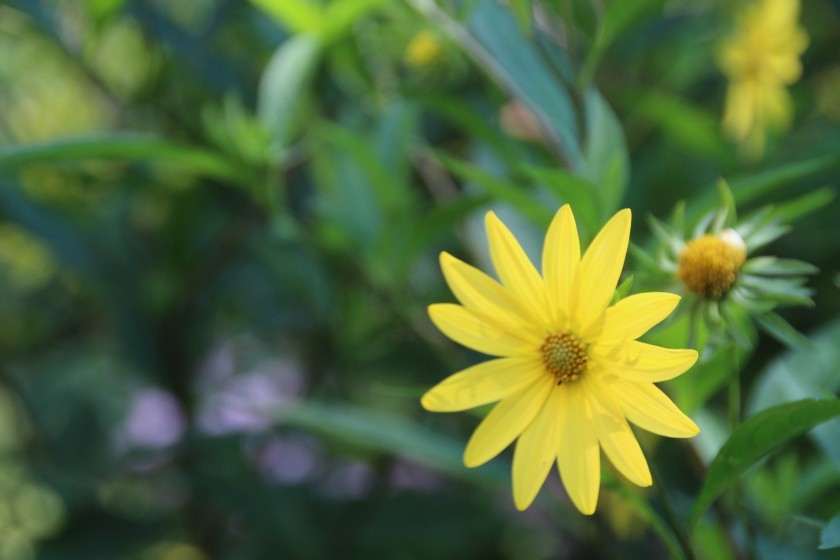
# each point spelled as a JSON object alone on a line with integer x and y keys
{"x": 709, "y": 264}
{"x": 564, "y": 356}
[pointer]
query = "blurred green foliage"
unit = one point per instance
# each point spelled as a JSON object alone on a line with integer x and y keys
{"x": 219, "y": 229}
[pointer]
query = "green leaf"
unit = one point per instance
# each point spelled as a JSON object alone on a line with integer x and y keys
{"x": 130, "y": 147}
{"x": 340, "y": 16}
{"x": 755, "y": 439}
{"x": 792, "y": 210}
{"x": 515, "y": 195}
{"x": 830, "y": 536}
{"x": 510, "y": 58}
{"x": 576, "y": 191}
{"x": 773, "y": 266}
{"x": 605, "y": 153}
{"x": 622, "y": 290}
{"x": 687, "y": 125}
{"x": 300, "y": 16}
{"x": 284, "y": 86}
{"x": 522, "y": 12}
{"x": 781, "y": 330}
{"x": 394, "y": 435}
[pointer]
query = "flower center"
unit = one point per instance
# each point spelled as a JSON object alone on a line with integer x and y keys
{"x": 564, "y": 356}
{"x": 709, "y": 264}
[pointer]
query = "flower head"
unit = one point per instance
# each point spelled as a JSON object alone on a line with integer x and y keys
{"x": 760, "y": 59}
{"x": 715, "y": 265}
{"x": 569, "y": 372}
{"x": 424, "y": 49}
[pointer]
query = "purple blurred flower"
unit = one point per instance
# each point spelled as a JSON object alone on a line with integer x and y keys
{"x": 154, "y": 421}
{"x": 289, "y": 460}
{"x": 243, "y": 403}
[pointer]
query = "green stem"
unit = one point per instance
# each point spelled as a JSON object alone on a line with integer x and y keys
{"x": 734, "y": 414}
{"x": 670, "y": 514}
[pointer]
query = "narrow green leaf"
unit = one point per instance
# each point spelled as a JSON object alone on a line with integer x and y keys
{"x": 522, "y": 11}
{"x": 389, "y": 434}
{"x": 830, "y": 536}
{"x": 300, "y": 16}
{"x": 605, "y": 153}
{"x": 792, "y": 210}
{"x": 285, "y": 84}
{"x": 781, "y": 330}
{"x": 622, "y": 290}
{"x": 129, "y": 147}
{"x": 755, "y": 439}
{"x": 773, "y": 266}
{"x": 341, "y": 15}
{"x": 515, "y": 195}
{"x": 578, "y": 192}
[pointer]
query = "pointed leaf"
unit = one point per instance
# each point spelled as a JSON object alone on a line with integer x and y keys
{"x": 755, "y": 439}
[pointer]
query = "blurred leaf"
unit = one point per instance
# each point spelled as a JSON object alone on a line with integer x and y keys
{"x": 442, "y": 220}
{"x": 285, "y": 84}
{"x": 130, "y": 147}
{"x": 782, "y": 331}
{"x": 605, "y": 152}
{"x": 522, "y": 11}
{"x": 618, "y": 17}
{"x": 307, "y": 17}
{"x": 830, "y": 537}
{"x": 65, "y": 242}
{"x": 757, "y": 437}
{"x": 622, "y": 290}
{"x": 389, "y": 434}
{"x": 792, "y": 210}
{"x": 500, "y": 189}
{"x": 750, "y": 187}
{"x": 570, "y": 189}
{"x": 778, "y": 267}
{"x": 802, "y": 374}
{"x": 299, "y": 16}
{"x": 340, "y": 16}
{"x": 692, "y": 127}
{"x": 528, "y": 76}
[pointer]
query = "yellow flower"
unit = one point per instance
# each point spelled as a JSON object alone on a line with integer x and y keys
{"x": 424, "y": 49}
{"x": 760, "y": 59}
{"x": 570, "y": 372}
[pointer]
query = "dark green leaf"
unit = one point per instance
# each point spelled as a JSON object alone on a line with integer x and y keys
{"x": 755, "y": 439}
{"x": 284, "y": 86}
{"x": 129, "y": 147}
{"x": 781, "y": 330}
{"x": 830, "y": 537}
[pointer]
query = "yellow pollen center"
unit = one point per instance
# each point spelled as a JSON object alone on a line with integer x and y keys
{"x": 564, "y": 356}
{"x": 709, "y": 264}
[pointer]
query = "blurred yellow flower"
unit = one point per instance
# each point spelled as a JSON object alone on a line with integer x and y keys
{"x": 424, "y": 49}
{"x": 760, "y": 59}
{"x": 570, "y": 372}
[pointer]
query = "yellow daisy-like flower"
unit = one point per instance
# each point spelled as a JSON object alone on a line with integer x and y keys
{"x": 570, "y": 372}
{"x": 760, "y": 59}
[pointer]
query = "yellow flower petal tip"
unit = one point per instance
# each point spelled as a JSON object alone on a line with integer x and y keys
{"x": 570, "y": 373}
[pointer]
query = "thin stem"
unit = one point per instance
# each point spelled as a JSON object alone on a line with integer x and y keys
{"x": 734, "y": 413}
{"x": 670, "y": 514}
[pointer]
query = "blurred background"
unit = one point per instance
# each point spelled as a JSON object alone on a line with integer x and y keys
{"x": 219, "y": 230}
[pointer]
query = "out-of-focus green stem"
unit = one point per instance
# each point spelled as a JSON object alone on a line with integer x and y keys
{"x": 670, "y": 515}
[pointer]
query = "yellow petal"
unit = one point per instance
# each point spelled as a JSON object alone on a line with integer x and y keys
{"x": 483, "y": 383}
{"x": 515, "y": 270}
{"x": 465, "y": 327}
{"x": 616, "y": 438}
{"x": 506, "y": 421}
{"x": 484, "y": 296}
{"x": 649, "y": 408}
{"x": 536, "y": 450}
{"x": 633, "y": 316}
{"x": 560, "y": 261}
{"x": 637, "y": 361}
{"x": 600, "y": 268}
{"x": 578, "y": 457}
